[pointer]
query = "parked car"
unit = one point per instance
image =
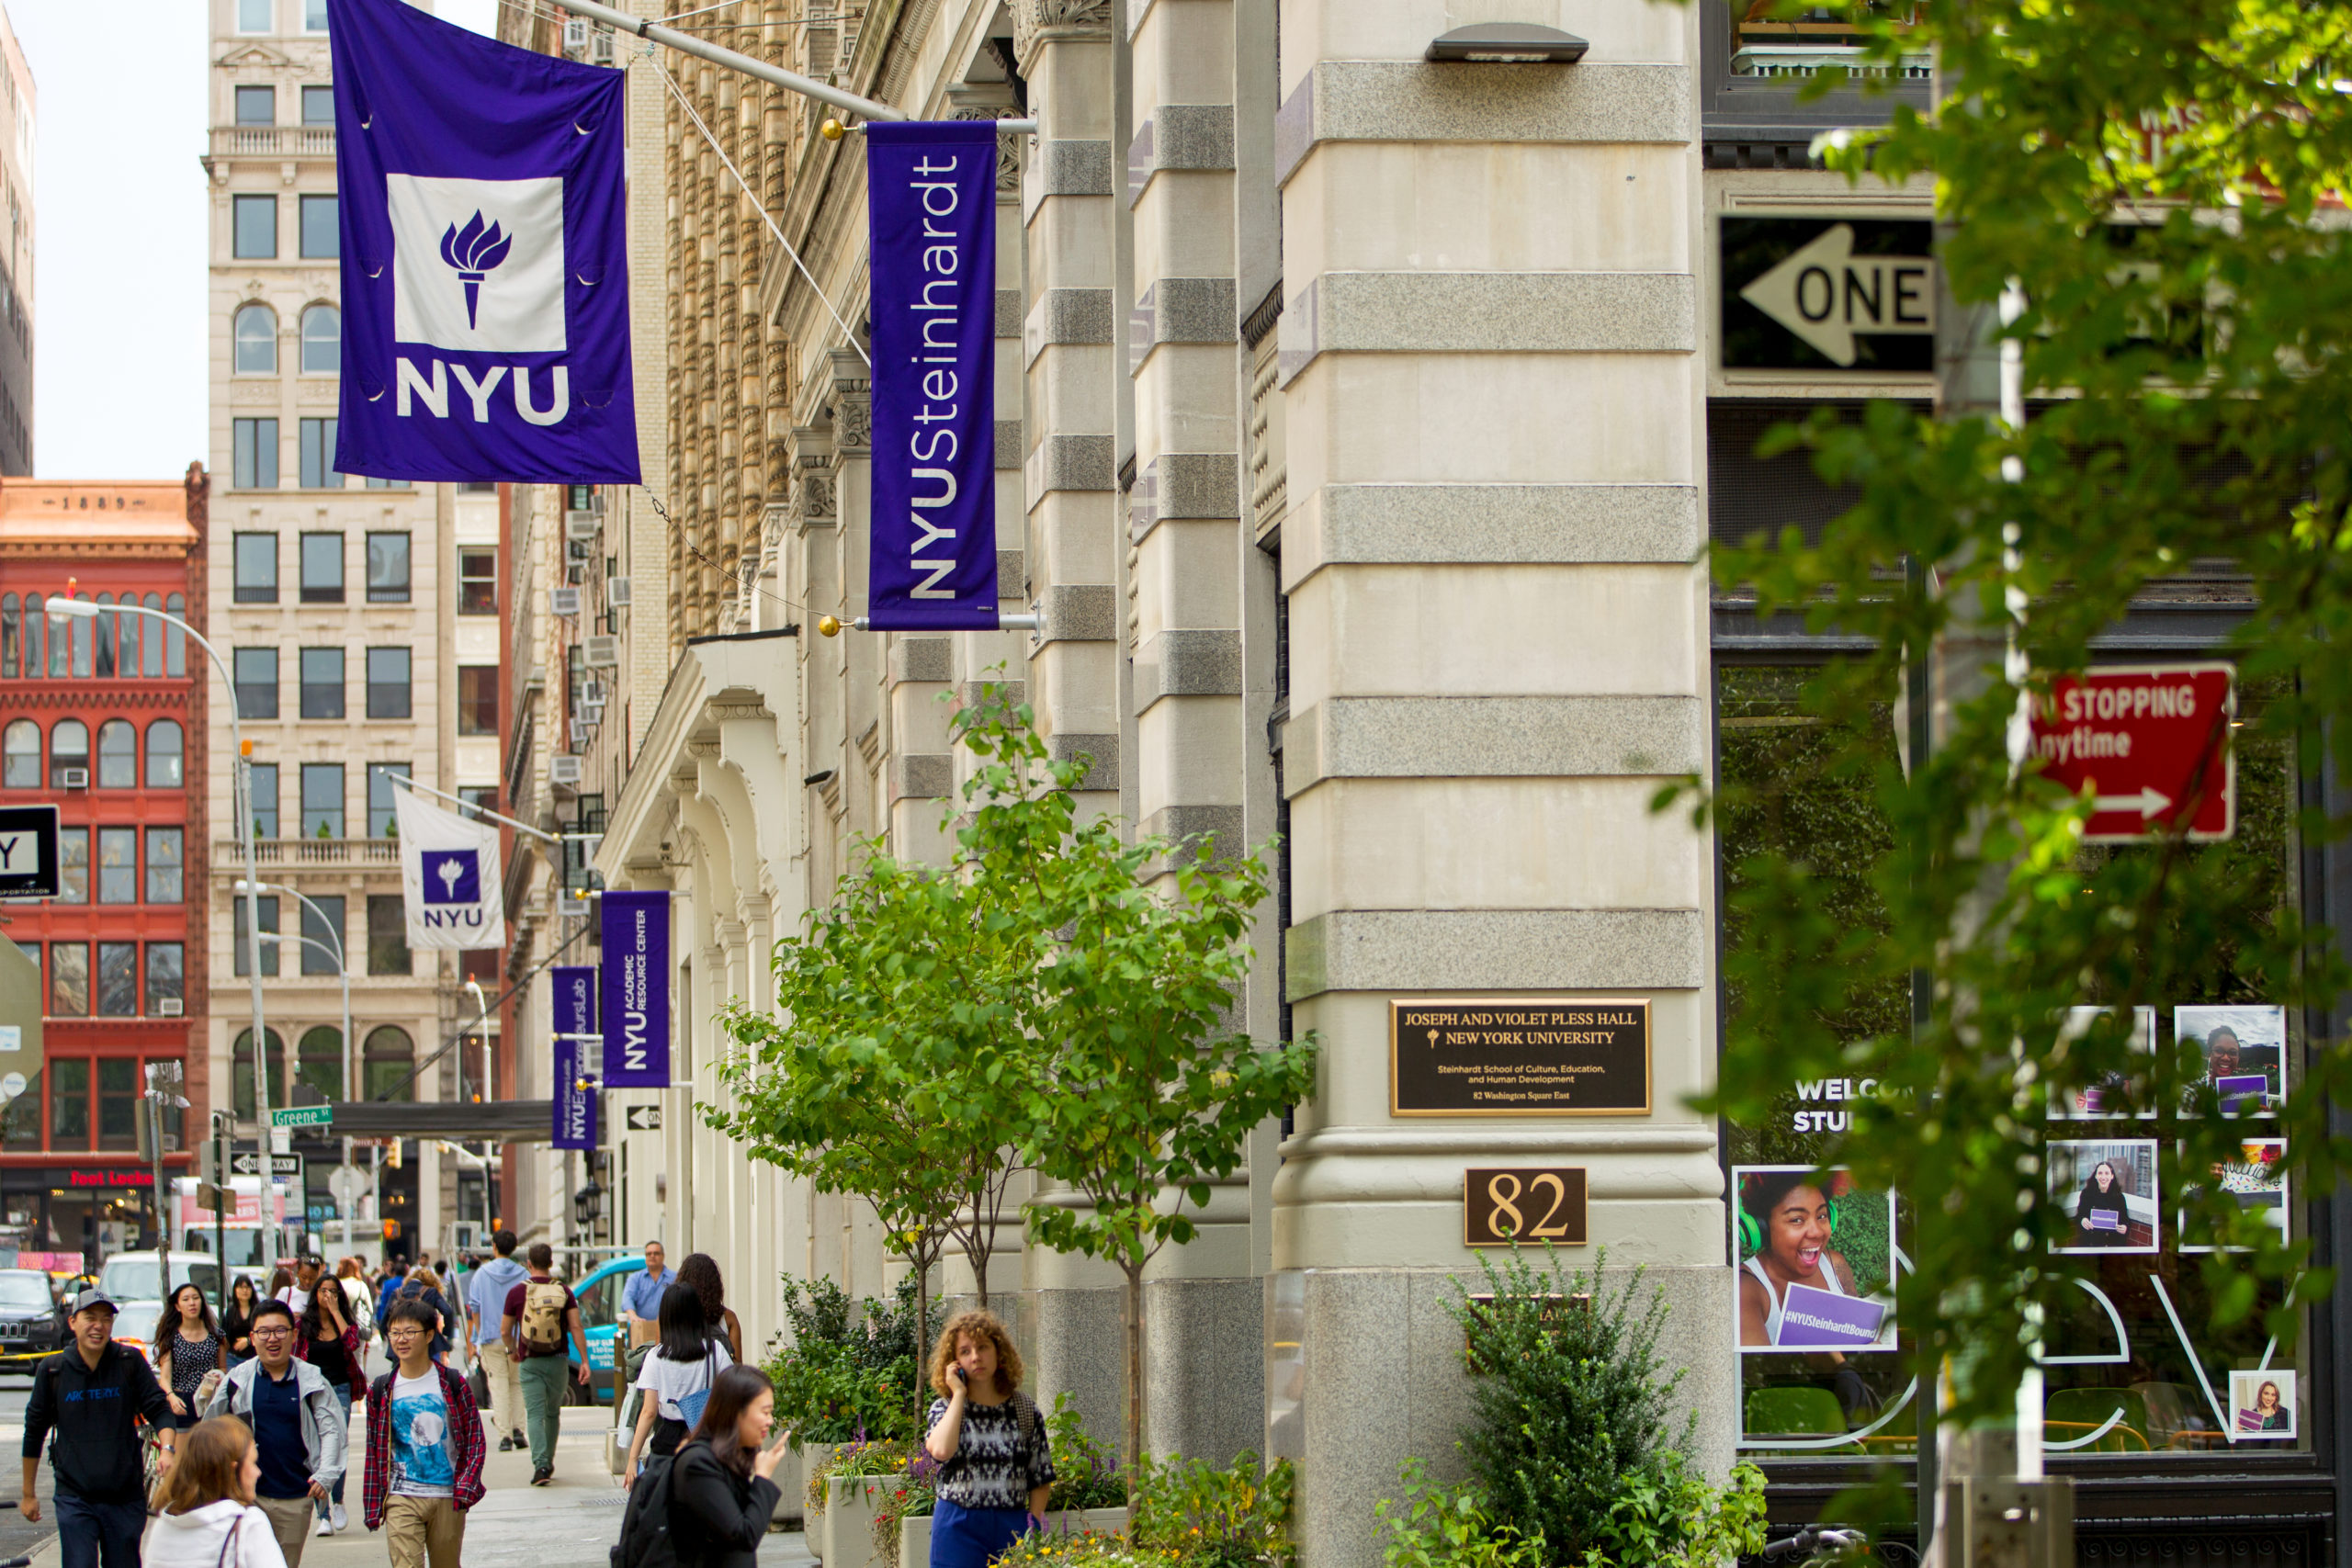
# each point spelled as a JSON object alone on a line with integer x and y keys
{"x": 135, "y": 1281}
{"x": 30, "y": 1321}
{"x": 600, "y": 1319}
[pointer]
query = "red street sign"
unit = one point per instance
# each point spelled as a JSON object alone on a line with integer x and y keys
{"x": 2151, "y": 742}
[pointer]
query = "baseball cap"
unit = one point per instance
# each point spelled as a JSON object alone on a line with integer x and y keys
{"x": 90, "y": 1300}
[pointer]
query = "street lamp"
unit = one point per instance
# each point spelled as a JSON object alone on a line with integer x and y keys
{"x": 69, "y": 608}
{"x": 343, "y": 967}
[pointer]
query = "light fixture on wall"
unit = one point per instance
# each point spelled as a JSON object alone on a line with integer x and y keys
{"x": 1507, "y": 43}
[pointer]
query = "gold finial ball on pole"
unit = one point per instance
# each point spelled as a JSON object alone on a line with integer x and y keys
{"x": 828, "y": 625}
{"x": 832, "y": 131}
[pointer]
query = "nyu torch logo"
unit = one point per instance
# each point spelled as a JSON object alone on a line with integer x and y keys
{"x": 473, "y": 252}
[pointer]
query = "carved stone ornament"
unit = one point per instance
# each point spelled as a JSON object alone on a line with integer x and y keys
{"x": 853, "y": 422}
{"x": 1035, "y": 20}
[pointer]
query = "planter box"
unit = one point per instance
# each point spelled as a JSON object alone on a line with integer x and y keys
{"x": 914, "y": 1534}
{"x": 845, "y": 1537}
{"x": 791, "y": 1503}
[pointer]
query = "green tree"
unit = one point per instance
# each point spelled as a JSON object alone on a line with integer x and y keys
{"x": 2147, "y": 185}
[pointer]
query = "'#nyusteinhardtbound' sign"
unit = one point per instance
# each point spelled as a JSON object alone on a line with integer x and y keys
{"x": 1519, "y": 1056}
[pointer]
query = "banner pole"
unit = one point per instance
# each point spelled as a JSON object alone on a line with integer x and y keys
{"x": 686, "y": 43}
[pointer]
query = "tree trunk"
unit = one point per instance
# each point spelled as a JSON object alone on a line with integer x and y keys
{"x": 1133, "y": 1334}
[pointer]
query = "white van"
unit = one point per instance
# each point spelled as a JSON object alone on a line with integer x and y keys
{"x": 135, "y": 1282}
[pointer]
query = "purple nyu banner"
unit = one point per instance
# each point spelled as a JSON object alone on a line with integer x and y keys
{"x": 636, "y": 998}
{"x": 931, "y": 188}
{"x": 485, "y": 260}
{"x": 575, "y": 1017}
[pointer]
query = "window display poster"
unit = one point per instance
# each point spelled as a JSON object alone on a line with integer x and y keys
{"x": 2245, "y": 1054}
{"x": 2114, "y": 1091}
{"x": 2263, "y": 1403}
{"x": 2105, "y": 1190}
{"x": 2251, "y": 1179}
{"x": 1815, "y": 1261}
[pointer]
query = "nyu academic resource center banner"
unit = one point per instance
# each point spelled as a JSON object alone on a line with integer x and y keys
{"x": 931, "y": 190}
{"x": 636, "y": 999}
{"x": 485, "y": 261}
{"x": 575, "y": 1016}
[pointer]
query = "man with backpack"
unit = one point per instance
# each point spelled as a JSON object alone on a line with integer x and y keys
{"x": 541, "y": 1315}
{"x": 424, "y": 1448}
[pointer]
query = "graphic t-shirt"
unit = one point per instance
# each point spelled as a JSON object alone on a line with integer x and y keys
{"x": 998, "y": 1457}
{"x": 424, "y": 1455}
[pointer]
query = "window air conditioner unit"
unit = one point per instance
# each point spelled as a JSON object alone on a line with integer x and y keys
{"x": 579, "y": 732}
{"x": 167, "y": 1007}
{"x": 603, "y": 652}
{"x": 600, "y": 50}
{"x": 563, "y": 768}
{"x": 617, "y": 593}
{"x": 576, "y": 32}
{"x": 563, "y": 601}
{"x": 79, "y": 778}
{"x": 580, "y": 524}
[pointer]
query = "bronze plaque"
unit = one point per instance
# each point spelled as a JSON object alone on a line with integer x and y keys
{"x": 1526, "y": 1203}
{"x": 1519, "y": 1057}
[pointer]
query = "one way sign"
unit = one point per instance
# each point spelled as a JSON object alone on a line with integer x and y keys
{"x": 643, "y": 1118}
{"x": 1821, "y": 293}
{"x": 246, "y": 1163}
{"x": 28, "y": 852}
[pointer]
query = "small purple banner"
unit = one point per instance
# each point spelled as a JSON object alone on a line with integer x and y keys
{"x": 2104, "y": 1220}
{"x": 484, "y": 243}
{"x": 931, "y": 193}
{"x": 636, "y": 1001}
{"x": 1821, "y": 1320}
{"x": 575, "y": 1016}
{"x": 2238, "y": 1092}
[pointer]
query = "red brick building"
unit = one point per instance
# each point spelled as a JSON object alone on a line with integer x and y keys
{"x": 105, "y": 718}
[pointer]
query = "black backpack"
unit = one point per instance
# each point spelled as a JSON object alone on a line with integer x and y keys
{"x": 645, "y": 1524}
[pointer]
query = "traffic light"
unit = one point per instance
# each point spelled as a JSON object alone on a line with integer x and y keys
{"x": 392, "y": 1159}
{"x": 391, "y": 1230}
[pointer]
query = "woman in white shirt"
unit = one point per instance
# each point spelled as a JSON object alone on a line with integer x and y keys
{"x": 209, "y": 1518}
{"x": 676, "y": 1379}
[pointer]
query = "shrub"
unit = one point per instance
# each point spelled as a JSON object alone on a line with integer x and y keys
{"x": 1213, "y": 1518}
{"x": 884, "y": 1458}
{"x": 1080, "y": 1548}
{"x": 1568, "y": 1397}
{"x": 853, "y": 1370}
{"x": 1086, "y": 1473}
{"x": 1447, "y": 1526}
{"x": 1672, "y": 1518}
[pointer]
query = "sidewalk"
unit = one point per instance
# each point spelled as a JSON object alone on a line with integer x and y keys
{"x": 569, "y": 1523}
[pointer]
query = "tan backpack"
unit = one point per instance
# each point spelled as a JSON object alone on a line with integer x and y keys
{"x": 542, "y": 1324}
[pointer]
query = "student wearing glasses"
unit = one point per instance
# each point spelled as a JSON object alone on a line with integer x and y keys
{"x": 298, "y": 1426}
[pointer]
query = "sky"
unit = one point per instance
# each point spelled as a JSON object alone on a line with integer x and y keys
{"x": 120, "y": 213}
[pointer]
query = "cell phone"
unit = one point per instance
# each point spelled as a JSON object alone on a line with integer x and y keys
{"x": 957, "y": 1373}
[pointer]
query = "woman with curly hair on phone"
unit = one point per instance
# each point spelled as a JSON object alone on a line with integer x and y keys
{"x": 995, "y": 1467}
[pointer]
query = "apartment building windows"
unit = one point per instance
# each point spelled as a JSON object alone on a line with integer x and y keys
{"x": 256, "y": 679}
{"x": 117, "y": 990}
{"x": 322, "y": 567}
{"x": 254, "y": 330}
{"x": 318, "y": 453}
{"x": 388, "y": 935}
{"x": 477, "y": 699}
{"x": 165, "y": 864}
{"x": 321, "y": 239}
{"x": 264, "y": 799}
{"x": 166, "y": 978}
{"x": 253, "y": 458}
{"x": 380, "y": 790}
{"x": 253, "y": 229}
{"x": 73, "y": 866}
{"x": 20, "y": 755}
{"x": 318, "y": 104}
{"x": 69, "y": 979}
{"x": 255, "y": 15}
{"x": 314, "y": 15}
{"x": 69, "y": 1103}
{"x": 117, "y": 755}
{"x": 117, "y": 866}
{"x": 256, "y": 105}
{"x": 166, "y": 759}
{"x": 242, "y": 959}
{"x": 323, "y": 342}
{"x": 322, "y": 800}
{"x": 257, "y": 569}
{"x": 69, "y": 752}
{"x": 387, "y": 683}
{"x": 477, "y": 581}
{"x": 323, "y": 926}
{"x": 388, "y": 569}
{"x": 323, "y": 684}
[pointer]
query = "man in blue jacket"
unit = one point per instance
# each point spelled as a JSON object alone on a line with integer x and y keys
{"x": 90, "y": 1395}
{"x": 485, "y": 1309}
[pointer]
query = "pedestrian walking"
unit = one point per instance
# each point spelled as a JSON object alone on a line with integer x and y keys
{"x": 699, "y": 1273}
{"x": 676, "y": 1381}
{"x": 90, "y": 1397}
{"x": 209, "y": 1519}
{"x": 187, "y": 1343}
{"x": 423, "y": 1284}
{"x": 485, "y": 1311}
{"x": 237, "y": 1323}
{"x": 325, "y": 1337}
{"x": 308, "y": 1271}
{"x": 540, "y": 1315}
{"x": 643, "y": 1300}
{"x": 297, "y": 1423}
{"x": 995, "y": 1466}
{"x": 424, "y": 1448}
{"x": 722, "y": 1486}
{"x": 358, "y": 1297}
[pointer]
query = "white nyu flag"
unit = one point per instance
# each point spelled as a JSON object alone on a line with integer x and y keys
{"x": 448, "y": 877}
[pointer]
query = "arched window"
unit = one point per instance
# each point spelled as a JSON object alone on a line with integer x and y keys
{"x": 151, "y": 660}
{"x": 36, "y": 635}
{"x": 117, "y": 755}
{"x": 256, "y": 336}
{"x": 106, "y": 636}
{"x": 241, "y": 1072}
{"x": 322, "y": 341}
{"x": 319, "y": 1061}
{"x": 69, "y": 747}
{"x": 175, "y": 639}
{"x": 20, "y": 755}
{"x": 84, "y": 638}
{"x": 388, "y": 1058}
{"x": 165, "y": 770}
{"x": 9, "y": 634}
{"x": 132, "y": 635}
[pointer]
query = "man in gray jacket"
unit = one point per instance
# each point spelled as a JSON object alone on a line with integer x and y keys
{"x": 298, "y": 1426}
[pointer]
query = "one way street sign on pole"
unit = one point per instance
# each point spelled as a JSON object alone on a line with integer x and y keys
{"x": 1827, "y": 295}
{"x": 286, "y": 1167}
{"x": 643, "y": 1118}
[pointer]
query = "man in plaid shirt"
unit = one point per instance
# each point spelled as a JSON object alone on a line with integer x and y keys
{"x": 424, "y": 1448}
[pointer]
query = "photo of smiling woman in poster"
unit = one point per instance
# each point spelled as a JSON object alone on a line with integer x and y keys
{"x": 1798, "y": 1290}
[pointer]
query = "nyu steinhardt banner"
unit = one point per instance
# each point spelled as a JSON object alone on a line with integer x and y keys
{"x": 575, "y": 1016}
{"x": 636, "y": 969}
{"x": 485, "y": 262}
{"x": 931, "y": 188}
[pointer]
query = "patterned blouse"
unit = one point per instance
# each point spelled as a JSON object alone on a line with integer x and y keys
{"x": 1002, "y": 1455}
{"x": 191, "y": 1358}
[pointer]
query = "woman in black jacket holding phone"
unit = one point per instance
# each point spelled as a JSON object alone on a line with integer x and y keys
{"x": 722, "y": 1486}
